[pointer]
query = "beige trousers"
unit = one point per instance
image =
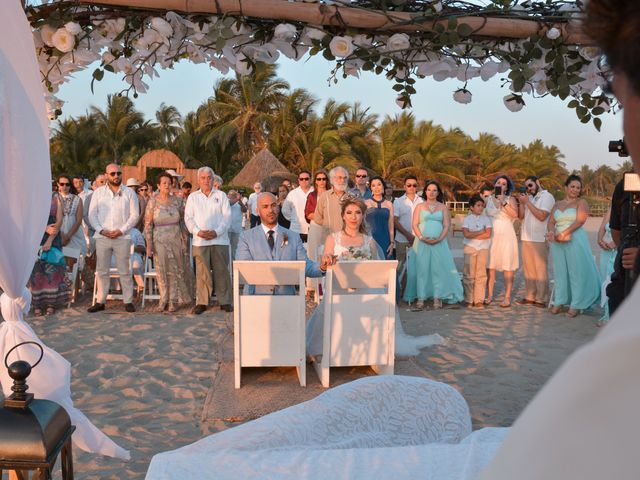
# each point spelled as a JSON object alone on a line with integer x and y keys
{"x": 234, "y": 238}
{"x": 121, "y": 248}
{"x": 216, "y": 258}
{"x": 474, "y": 278}
{"x": 536, "y": 276}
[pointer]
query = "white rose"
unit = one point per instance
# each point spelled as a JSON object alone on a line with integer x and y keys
{"x": 162, "y": 27}
{"x": 46, "y": 32}
{"x": 553, "y": 33}
{"x": 514, "y": 103}
{"x": 73, "y": 28}
{"x": 341, "y": 46}
{"x": 398, "y": 41}
{"x": 467, "y": 72}
{"x": 285, "y": 31}
{"x": 590, "y": 53}
{"x": 314, "y": 33}
{"x": 488, "y": 70}
{"x": 63, "y": 40}
{"x": 243, "y": 67}
{"x": 462, "y": 95}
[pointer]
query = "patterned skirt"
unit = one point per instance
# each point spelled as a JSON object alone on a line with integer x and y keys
{"x": 49, "y": 285}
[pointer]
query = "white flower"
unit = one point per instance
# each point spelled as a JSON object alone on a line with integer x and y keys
{"x": 63, "y": 40}
{"x": 46, "y": 32}
{"x": 590, "y": 53}
{"x": 314, "y": 33}
{"x": 267, "y": 53}
{"x": 402, "y": 102}
{"x": 514, "y": 103}
{"x": 241, "y": 29}
{"x": 541, "y": 87}
{"x": 162, "y": 27}
{"x": 73, "y": 28}
{"x": 503, "y": 66}
{"x": 123, "y": 65}
{"x": 107, "y": 57}
{"x": 285, "y": 31}
{"x": 361, "y": 40}
{"x": 553, "y": 33}
{"x": 341, "y": 46}
{"x": 398, "y": 41}
{"x": 289, "y": 51}
{"x": 462, "y": 95}
{"x": 488, "y": 70}
{"x": 243, "y": 67}
{"x": 437, "y": 6}
{"x": 466, "y": 72}
{"x": 444, "y": 69}
{"x": 220, "y": 64}
{"x": 352, "y": 67}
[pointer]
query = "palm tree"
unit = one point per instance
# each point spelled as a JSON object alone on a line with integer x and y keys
{"x": 75, "y": 146}
{"x": 169, "y": 124}
{"x": 544, "y": 162}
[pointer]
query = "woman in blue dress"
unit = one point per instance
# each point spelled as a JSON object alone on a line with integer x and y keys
{"x": 577, "y": 280}
{"x": 379, "y": 217}
{"x": 432, "y": 272}
{"x": 608, "y": 254}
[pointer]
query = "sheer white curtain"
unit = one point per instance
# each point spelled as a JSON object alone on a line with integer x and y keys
{"x": 25, "y": 197}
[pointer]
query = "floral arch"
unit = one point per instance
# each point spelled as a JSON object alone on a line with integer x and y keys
{"x": 537, "y": 47}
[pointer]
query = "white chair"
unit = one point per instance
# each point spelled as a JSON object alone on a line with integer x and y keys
{"x": 78, "y": 265}
{"x": 269, "y": 330}
{"x": 359, "y": 317}
{"x": 113, "y": 275}
{"x": 150, "y": 289}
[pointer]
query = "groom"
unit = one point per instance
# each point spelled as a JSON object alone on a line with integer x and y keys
{"x": 270, "y": 241}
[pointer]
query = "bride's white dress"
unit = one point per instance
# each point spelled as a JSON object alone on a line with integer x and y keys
{"x": 406, "y": 345}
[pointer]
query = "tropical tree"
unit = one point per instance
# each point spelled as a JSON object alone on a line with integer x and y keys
{"x": 169, "y": 124}
{"x": 75, "y": 147}
{"x": 545, "y": 162}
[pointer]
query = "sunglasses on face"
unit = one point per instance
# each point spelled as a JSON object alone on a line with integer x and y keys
{"x": 115, "y": 174}
{"x": 304, "y": 179}
{"x": 361, "y": 176}
{"x": 144, "y": 189}
{"x": 321, "y": 179}
{"x": 60, "y": 184}
{"x": 411, "y": 185}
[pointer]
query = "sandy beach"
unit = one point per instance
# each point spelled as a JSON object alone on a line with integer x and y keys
{"x": 155, "y": 382}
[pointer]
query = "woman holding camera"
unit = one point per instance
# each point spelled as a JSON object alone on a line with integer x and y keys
{"x": 502, "y": 208}
{"x": 577, "y": 280}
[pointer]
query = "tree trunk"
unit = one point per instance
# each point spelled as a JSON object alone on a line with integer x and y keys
{"x": 334, "y": 15}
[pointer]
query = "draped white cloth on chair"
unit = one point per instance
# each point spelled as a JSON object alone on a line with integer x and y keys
{"x": 25, "y": 198}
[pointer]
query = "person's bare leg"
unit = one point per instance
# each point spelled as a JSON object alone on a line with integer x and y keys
{"x": 508, "y": 287}
{"x": 491, "y": 282}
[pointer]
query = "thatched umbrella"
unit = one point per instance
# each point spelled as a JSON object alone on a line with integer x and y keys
{"x": 265, "y": 168}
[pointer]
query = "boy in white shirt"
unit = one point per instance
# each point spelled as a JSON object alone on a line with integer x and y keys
{"x": 476, "y": 229}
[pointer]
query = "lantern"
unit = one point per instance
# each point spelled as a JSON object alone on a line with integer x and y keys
{"x": 33, "y": 432}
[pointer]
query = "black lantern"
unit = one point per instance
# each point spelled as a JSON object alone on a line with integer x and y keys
{"x": 33, "y": 432}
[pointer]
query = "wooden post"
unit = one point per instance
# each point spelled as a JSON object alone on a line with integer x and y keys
{"x": 334, "y": 15}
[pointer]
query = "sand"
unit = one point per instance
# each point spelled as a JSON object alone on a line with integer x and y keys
{"x": 155, "y": 382}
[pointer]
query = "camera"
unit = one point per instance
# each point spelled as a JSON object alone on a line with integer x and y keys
{"x": 619, "y": 147}
{"x": 523, "y": 189}
{"x": 498, "y": 191}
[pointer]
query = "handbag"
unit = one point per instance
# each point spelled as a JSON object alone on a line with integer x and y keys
{"x": 53, "y": 256}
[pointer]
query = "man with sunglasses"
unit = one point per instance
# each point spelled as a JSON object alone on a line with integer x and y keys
{"x": 361, "y": 190}
{"x": 535, "y": 204}
{"x": 293, "y": 207}
{"x": 113, "y": 213}
{"x": 403, "y": 208}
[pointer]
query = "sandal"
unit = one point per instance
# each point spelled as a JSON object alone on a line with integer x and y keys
{"x": 505, "y": 304}
{"x": 418, "y": 307}
{"x": 437, "y": 304}
{"x": 556, "y": 309}
{"x": 488, "y": 301}
{"x": 572, "y": 313}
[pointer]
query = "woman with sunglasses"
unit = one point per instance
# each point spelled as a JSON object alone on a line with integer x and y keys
{"x": 72, "y": 213}
{"x": 316, "y": 232}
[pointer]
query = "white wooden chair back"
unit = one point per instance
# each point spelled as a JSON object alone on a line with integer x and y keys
{"x": 150, "y": 289}
{"x": 269, "y": 330}
{"x": 78, "y": 264}
{"x": 359, "y": 317}
{"x": 113, "y": 275}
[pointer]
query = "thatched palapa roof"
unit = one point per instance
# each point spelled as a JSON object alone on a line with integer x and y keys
{"x": 265, "y": 168}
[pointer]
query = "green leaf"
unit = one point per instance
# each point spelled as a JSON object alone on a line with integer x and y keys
{"x": 597, "y": 111}
{"x": 397, "y": 87}
{"x": 439, "y": 28}
{"x": 464, "y": 30}
{"x": 581, "y": 111}
{"x": 597, "y": 122}
{"x": 550, "y": 56}
{"x": 453, "y": 23}
{"x": 98, "y": 74}
{"x": 326, "y": 53}
{"x": 573, "y": 104}
{"x": 586, "y": 119}
{"x": 109, "y": 68}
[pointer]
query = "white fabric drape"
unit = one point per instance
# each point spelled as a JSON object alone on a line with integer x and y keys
{"x": 25, "y": 197}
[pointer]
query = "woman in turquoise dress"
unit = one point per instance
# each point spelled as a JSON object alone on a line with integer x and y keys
{"x": 608, "y": 254}
{"x": 432, "y": 272}
{"x": 577, "y": 280}
{"x": 379, "y": 217}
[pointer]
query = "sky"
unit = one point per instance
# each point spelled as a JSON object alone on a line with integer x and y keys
{"x": 548, "y": 119}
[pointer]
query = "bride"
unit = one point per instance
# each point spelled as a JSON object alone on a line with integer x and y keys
{"x": 353, "y": 243}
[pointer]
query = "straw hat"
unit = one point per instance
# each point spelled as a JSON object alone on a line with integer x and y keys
{"x": 132, "y": 182}
{"x": 173, "y": 173}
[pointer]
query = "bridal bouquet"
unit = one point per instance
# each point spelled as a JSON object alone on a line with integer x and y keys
{"x": 356, "y": 253}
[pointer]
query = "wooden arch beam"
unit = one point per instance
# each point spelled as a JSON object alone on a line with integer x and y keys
{"x": 334, "y": 15}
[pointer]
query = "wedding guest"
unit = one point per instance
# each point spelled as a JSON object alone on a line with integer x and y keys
{"x": 379, "y": 217}
{"x": 608, "y": 253}
{"x": 133, "y": 184}
{"x": 388, "y": 193}
{"x": 476, "y": 229}
{"x": 316, "y": 235}
{"x": 50, "y": 288}
{"x": 113, "y": 212}
{"x": 186, "y": 190}
{"x": 166, "y": 239}
{"x": 328, "y": 207}
{"x": 403, "y": 208}
{"x": 85, "y": 196}
{"x": 432, "y": 272}
{"x": 283, "y": 192}
{"x": 361, "y": 189}
{"x": 217, "y": 182}
{"x": 207, "y": 216}
{"x": 287, "y": 183}
{"x": 534, "y": 207}
{"x": 254, "y": 219}
{"x": 485, "y": 192}
{"x": 293, "y": 208}
{"x": 238, "y": 209}
{"x": 502, "y": 208}
{"x": 577, "y": 280}
{"x": 176, "y": 178}
{"x": 72, "y": 213}
{"x": 100, "y": 181}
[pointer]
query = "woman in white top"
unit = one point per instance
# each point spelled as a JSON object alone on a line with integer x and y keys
{"x": 72, "y": 208}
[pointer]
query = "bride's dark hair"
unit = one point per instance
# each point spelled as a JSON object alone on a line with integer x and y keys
{"x": 358, "y": 203}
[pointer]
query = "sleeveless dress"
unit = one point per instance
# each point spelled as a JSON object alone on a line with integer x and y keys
{"x": 577, "y": 280}
{"x": 432, "y": 272}
{"x": 377, "y": 221}
{"x": 607, "y": 266}
{"x": 70, "y": 205}
{"x": 503, "y": 255}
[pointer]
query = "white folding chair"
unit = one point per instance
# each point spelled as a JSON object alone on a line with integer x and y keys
{"x": 150, "y": 290}
{"x": 359, "y": 317}
{"x": 269, "y": 330}
{"x": 78, "y": 264}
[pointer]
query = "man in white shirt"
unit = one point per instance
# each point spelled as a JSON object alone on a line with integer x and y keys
{"x": 534, "y": 207}
{"x": 113, "y": 213}
{"x": 254, "y": 218}
{"x": 208, "y": 216}
{"x": 237, "y": 215}
{"x": 403, "y": 208}
{"x": 293, "y": 207}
